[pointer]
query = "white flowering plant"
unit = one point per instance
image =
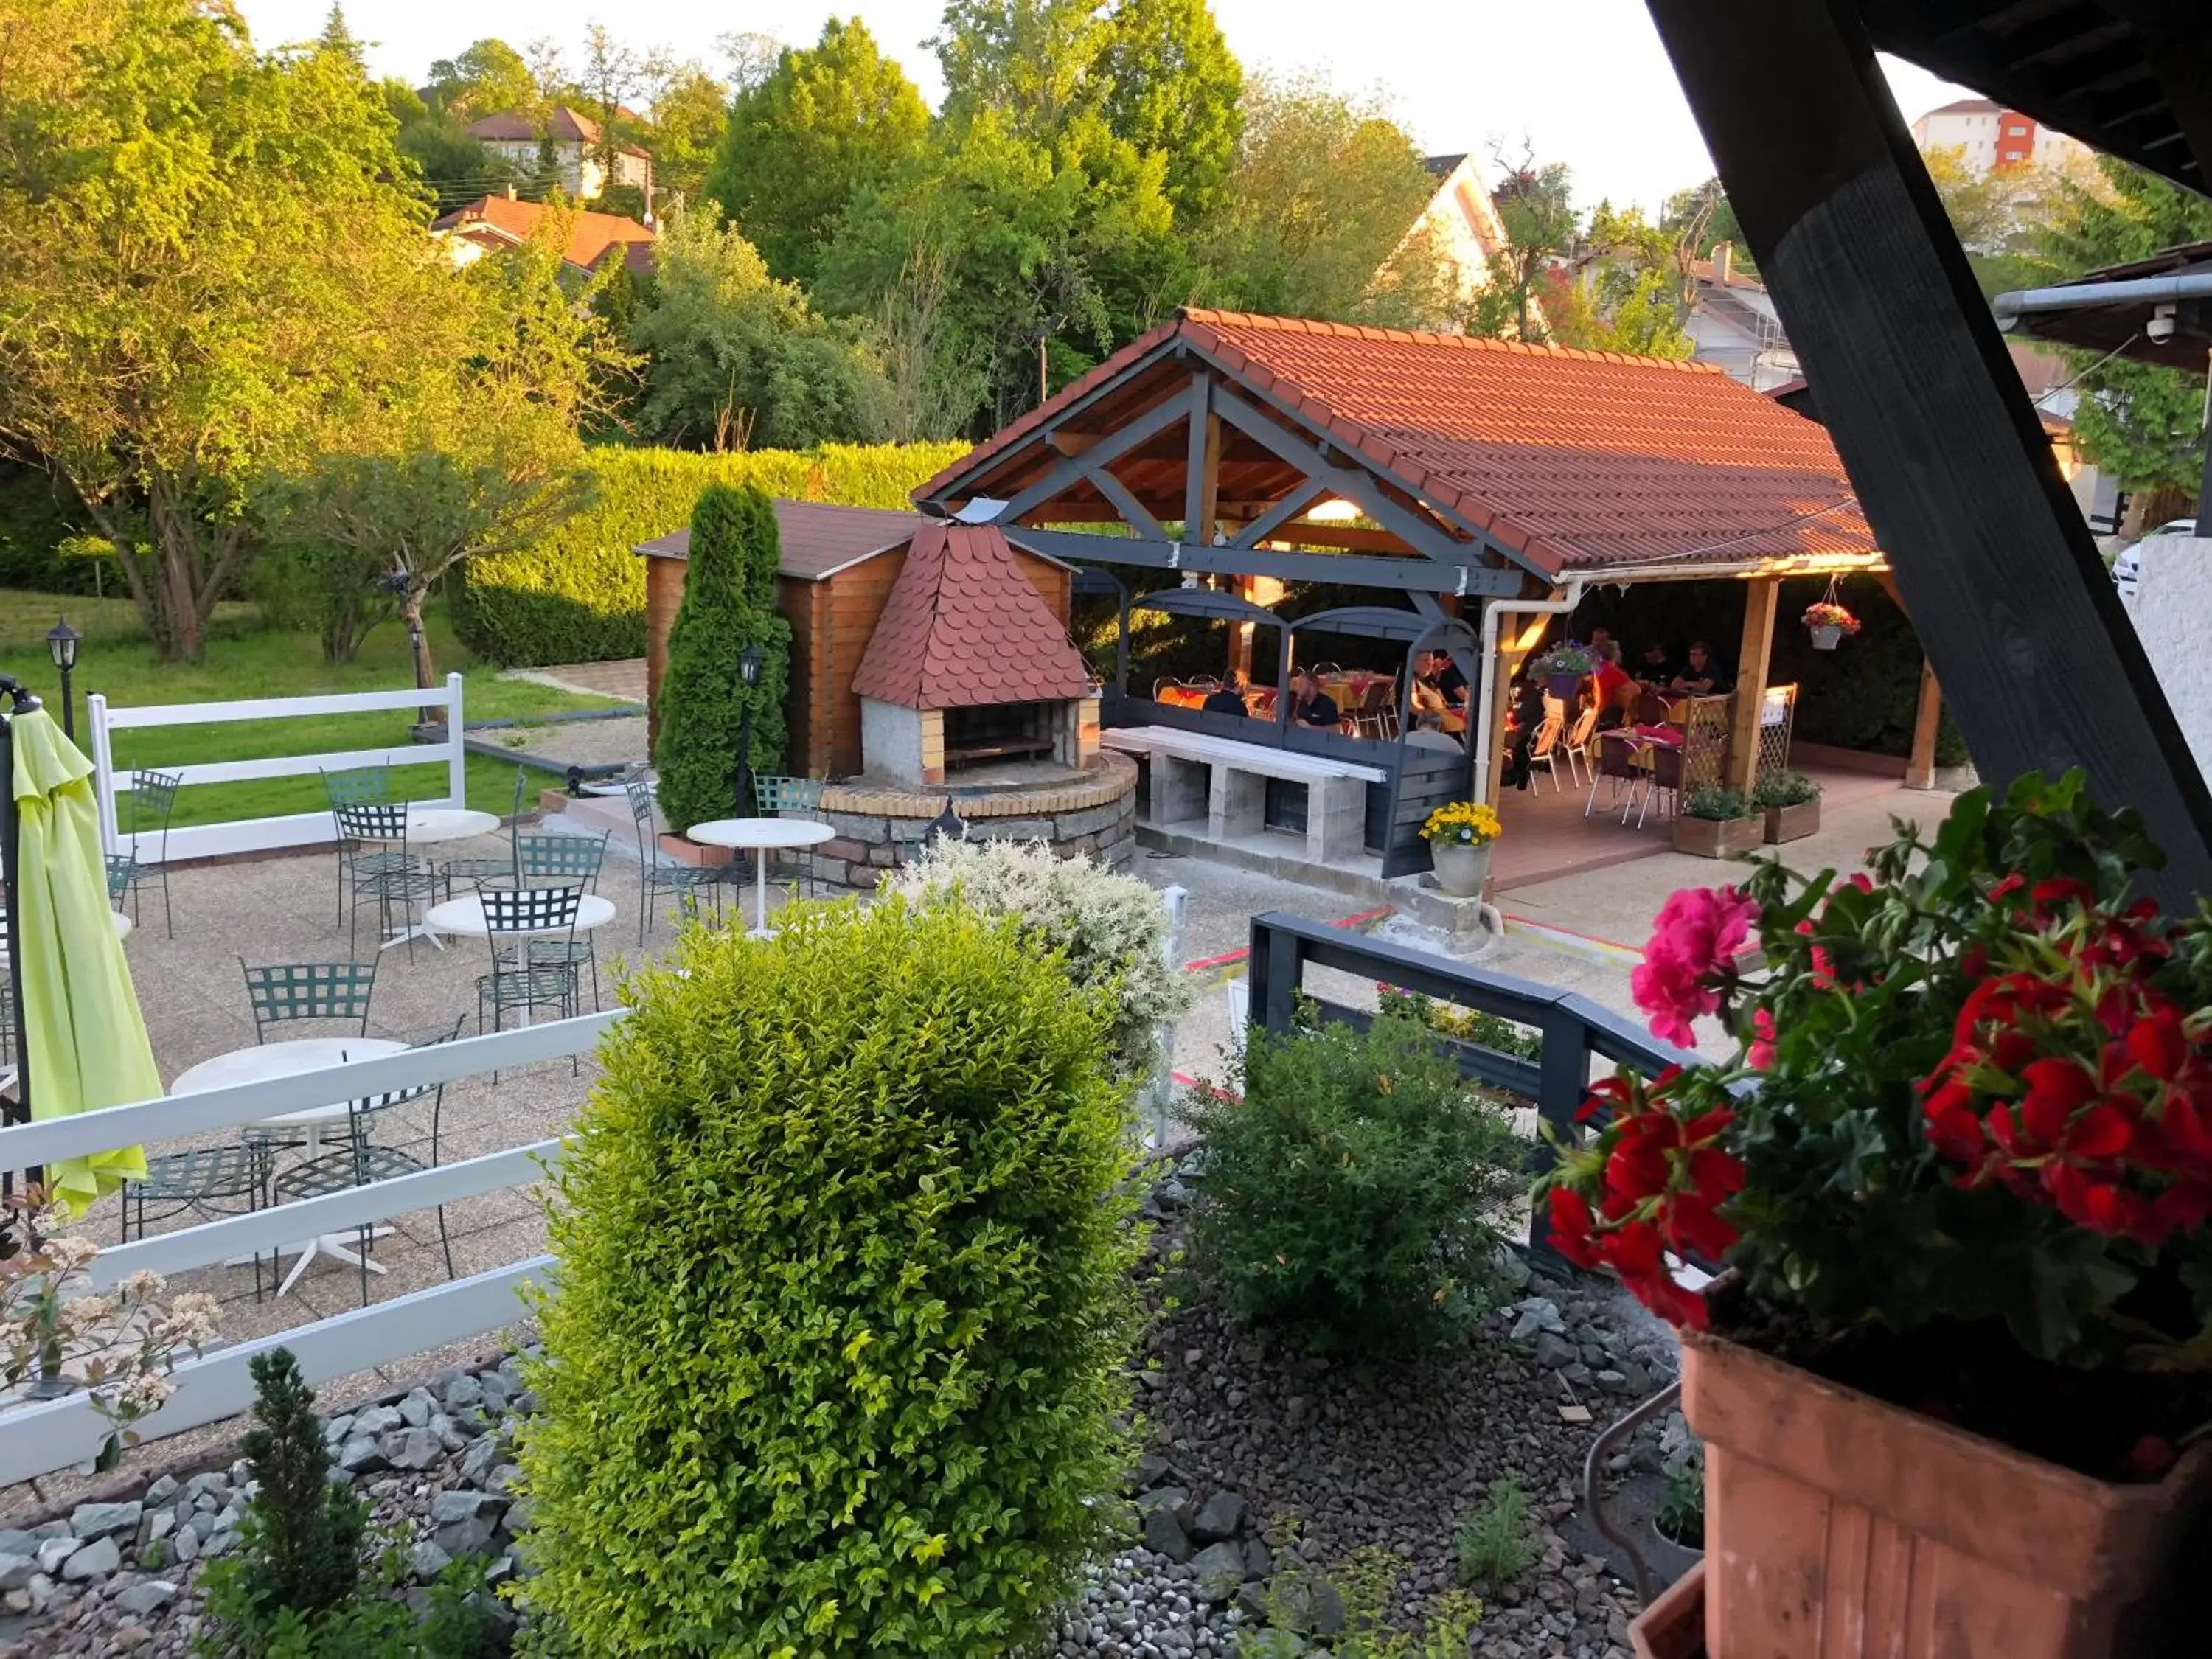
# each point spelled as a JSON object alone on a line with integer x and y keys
{"x": 1111, "y": 930}
{"x": 119, "y": 1346}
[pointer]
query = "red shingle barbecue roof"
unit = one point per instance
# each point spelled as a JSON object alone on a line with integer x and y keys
{"x": 963, "y": 626}
{"x": 1573, "y": 460}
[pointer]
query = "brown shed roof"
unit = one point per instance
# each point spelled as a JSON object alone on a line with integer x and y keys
{"x": 1570, "y": 460}
{"x": 962, "y": 626}
{"x": 818, "y": 538}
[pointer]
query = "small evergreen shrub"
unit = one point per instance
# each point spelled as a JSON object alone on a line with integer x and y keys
{"x": 1495, "y": 1544}
{"x": 1344, "y": 1194}
{"x": 844, "y": 1299}
{"x": 1721, "y": 804}
{"x": 1784, "y": 789}
{"x": 1111, "y": 930}
{"x": 703, "y": 698}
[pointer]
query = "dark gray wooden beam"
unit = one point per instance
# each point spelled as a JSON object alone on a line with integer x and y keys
{"x": 1071, "y": 469}
{"x": 1948, "y": 459}
{"x": 1131, "y": 509}
{"x": 1405, "y": 574}
{"x": 1279, "y": 514}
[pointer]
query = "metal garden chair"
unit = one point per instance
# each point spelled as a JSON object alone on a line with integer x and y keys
{"x": 515, "y": 918}
{"x": 359, "y": 786}
{"x": 364, "y": 1160}
{"x": 797, "y": 796}
{"x": 152, "y": 796}
{"x": 482, "y": 867}
{"x": 572, "y": 857}
{"x": 281, "y": 992}
{"x": 396, "y": 880}
{"x": 660, "y": 875}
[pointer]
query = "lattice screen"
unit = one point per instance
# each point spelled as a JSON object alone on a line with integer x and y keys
{"x": 1704, "y": 742}
{"x": 1776, "y": 720}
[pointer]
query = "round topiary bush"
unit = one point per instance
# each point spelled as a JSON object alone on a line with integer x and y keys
{"x": 843, "y": 1299}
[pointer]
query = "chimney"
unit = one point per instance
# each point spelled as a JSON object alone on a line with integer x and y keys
{"x": 1723, "y": 257}
{"x": 510, "y": 192}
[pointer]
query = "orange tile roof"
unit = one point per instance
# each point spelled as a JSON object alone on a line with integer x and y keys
{"x": 963, "y": 626}
{"x": 1572, "y": 460}
{"x": 590, "y": 235}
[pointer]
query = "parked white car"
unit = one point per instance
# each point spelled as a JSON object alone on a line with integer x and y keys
{"x": 2127, "y": 568}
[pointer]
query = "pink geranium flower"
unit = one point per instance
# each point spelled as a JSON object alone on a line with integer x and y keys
{"x": 1693, "y": 944}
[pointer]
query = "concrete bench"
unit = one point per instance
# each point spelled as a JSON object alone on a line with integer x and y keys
{"x": 1222, "y": 783}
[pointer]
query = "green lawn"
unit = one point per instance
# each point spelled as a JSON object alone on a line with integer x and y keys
{"x": 246, "y": 661}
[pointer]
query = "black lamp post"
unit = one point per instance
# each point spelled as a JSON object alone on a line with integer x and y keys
{"x": 61, "y": 645}
{"x": 749, "y": 668}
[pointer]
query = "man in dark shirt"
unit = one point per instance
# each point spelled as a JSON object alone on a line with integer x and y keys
{"x": 1443, "y": 674}
{"x": 1229, "y": 699}
{"x": 1702, "y": 676}
{"x": 1657, "y": 667}
{"x": 1310, "y": 705}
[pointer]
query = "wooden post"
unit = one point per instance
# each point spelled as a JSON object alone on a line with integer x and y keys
{"x": 1920, "y": 769}
{"x": 1762, "y": 594}
{"x": 1513, "y": 649}
{"x": 1947, "y": 454}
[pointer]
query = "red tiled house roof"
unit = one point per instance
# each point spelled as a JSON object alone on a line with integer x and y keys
{"x": 591, "y": 235}
{"x": 1564, "y": 461}
{"x": 962, "y": 626}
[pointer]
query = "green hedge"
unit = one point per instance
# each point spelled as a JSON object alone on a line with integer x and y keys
{"x": 578, "y": 595}
{"x": 36, "y": 515}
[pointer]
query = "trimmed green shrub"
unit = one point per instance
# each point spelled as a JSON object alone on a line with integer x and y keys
{"x": 845, "y": 1296}
{"x": 1723, "y": 804}
{"x": 1495, "y": 1543}
{"x": 1784, "y": 789}
{"x": 703, "y": 698}
{"x": 1344, "y": 1194}
{"x": 1110, "y": 929}
{"x": 578, "y": 595}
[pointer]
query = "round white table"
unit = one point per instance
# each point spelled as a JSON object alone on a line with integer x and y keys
{"x": 761, "y": 836}
{"x": 426, "y": 826}
{"x": 466, "y": 915}
{"x": 292, "y": 1059}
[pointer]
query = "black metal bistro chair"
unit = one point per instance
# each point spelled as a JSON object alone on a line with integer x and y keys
{"x": 516, "y": 919}
{"x": 658, "y": 874}
{"x": 364, "y": 1160}
{"x": 152, "y": 800}
{"x": 396, "y": 881}
{"x": 485, "y": 866}
{"x": 799, "y": 798}
{"x": 563, "y": 858}
{"x": 283, "y": 993}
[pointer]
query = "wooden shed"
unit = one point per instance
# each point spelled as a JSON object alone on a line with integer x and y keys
{"x": 837, "y": 572}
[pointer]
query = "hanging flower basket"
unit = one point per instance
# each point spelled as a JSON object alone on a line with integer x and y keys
{"x": 1829, "y": 621}
{"x": 1565, "y": 667}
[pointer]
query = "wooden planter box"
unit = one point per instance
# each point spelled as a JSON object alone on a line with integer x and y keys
{"x": 1673, "y": 1626}
{"x": 1716, "y": 838}
{"x": 1792, "y": 822}
{"x": 1840, "y": 1526}
{"x": 685, "y": 850}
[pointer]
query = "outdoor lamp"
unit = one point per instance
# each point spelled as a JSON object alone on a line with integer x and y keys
{"x": 947, "y": 825}
{"x": 61, "y": 645}
{"x": 741, "y": 783}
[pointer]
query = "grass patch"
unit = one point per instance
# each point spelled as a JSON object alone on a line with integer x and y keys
{"x": 243, "y": 661}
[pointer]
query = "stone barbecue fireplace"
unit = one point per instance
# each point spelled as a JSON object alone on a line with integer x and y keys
{"x": 969, "y": 666}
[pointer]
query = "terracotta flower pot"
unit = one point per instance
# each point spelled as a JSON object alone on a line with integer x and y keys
{"x": 1841, "y": 1527}
{"x": 1716, "y": 838}
{"x": 1674, "y": 1627}
{"x": 1792, "y": 822}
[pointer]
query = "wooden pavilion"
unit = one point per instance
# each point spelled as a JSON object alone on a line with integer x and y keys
{"x": 1464, "y": 481}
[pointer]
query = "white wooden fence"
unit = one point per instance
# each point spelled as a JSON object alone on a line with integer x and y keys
{"x": 38, "y": 1437}
{"x": 261, "y": 835}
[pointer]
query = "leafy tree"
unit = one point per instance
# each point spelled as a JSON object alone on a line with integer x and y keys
{"x": 153, "y": 352}
{"x": 1702, "y": 217}
{"x": 1536, "y": 205}
{"x": 1170, "y": 84}
{"x": 832, "y": 119}
{"x": 612, "y": 73}
{"x": 338, "y": 39}
{"x": 1029, "y": 62}
{"x": 933, "y": 373}
{"x": 729, "y": 598}
{"x": 2000, "y": 215}
{"x": 489, "y": 78}
{"x": 1314, "y": 222}
{"x": 689, "y": 114}
{"x": 2140, "y": 422}
{"x": 1636, "y": 290}
{"x": 751, "y": 56}
{"x": 735, "y": 357}
{"x": 449, "y": 166}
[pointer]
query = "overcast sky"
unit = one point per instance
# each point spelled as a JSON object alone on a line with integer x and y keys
{"x": 1584, "y": 81}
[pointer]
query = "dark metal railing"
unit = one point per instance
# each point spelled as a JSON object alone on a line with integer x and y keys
{"x": 1573, "y": 1029}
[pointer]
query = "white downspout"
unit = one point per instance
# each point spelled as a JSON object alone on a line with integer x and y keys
{"x": 1486, "y": 700}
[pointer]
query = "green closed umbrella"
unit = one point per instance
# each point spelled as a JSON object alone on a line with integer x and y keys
{"x": 84, "y": 1041}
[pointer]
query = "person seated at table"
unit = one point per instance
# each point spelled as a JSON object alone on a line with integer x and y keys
{"x": 1228, "y": 698}
{"x": 1657, "y": 667}
{"x": 1441, "y": 675}
{"x": 1310, "y": 704}
{"x": 1614, "y": 687}
{"x": 1528, "y": 718}
{"x": 1702, "y": 675}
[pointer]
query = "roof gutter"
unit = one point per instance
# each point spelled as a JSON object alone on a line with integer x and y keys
{"x": 2141, "y": 290}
